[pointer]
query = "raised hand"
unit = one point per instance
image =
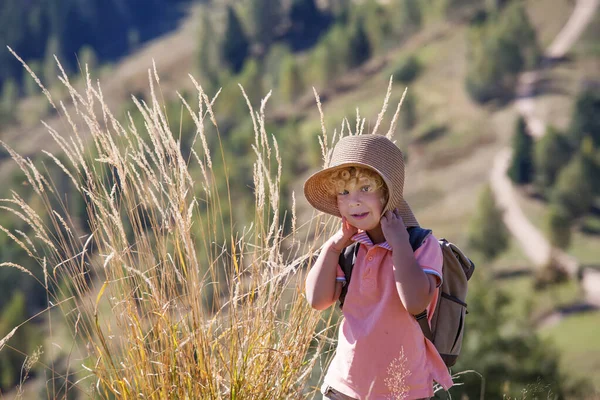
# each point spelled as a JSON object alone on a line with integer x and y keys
{"x": 343, "y": 237}
{"x": 393, "y": 228}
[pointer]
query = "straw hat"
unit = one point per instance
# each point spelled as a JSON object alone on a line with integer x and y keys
{"x": 375, "y": 152}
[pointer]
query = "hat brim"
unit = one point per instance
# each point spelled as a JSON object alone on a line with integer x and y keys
{"x": 317, "y": 192}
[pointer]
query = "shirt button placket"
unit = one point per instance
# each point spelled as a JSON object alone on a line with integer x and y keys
{"x": 367, "y": 279}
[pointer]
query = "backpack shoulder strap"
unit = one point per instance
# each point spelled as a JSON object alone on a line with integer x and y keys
{"x": 346, "y": 261}
{"x": 417, "y": 235}
{"x": 423, "y": 322}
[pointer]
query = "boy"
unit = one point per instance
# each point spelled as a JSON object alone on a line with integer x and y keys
{"x": 381, "y": 351}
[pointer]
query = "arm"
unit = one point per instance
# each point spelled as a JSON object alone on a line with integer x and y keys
{"x": 322, "y": 290}
{"x": 415, "y": 287}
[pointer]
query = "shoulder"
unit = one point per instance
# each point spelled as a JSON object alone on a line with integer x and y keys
{"x": 430, "y": 252}
{"x": 429, "y": 244}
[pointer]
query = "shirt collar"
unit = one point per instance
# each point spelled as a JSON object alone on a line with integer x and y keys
{"x": 363, "y": 238}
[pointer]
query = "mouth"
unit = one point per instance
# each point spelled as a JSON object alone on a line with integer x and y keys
{"x": 360, "y": 215}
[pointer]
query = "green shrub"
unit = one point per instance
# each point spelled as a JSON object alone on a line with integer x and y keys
{"x": 407, "y": 69}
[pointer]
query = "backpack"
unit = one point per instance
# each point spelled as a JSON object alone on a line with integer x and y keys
{"x": 448, "y": 320}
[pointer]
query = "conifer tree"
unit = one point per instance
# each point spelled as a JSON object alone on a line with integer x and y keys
{"x": 8, "y": 100}
{"x": 235, "y": 45}
{"x": 30, "y": 87}
{"x": 409, "y": 111}
{"x": 290, "y": 79}
{"x": 265, "y": 20}
{"x": 498, "y": 51}
{"x": 208, "y": 53}
{"x": 558, "y": 227}
{"x": 338, "y": 44}
{"x": 586, "y": 116}
{"x": 376, "y": 24}
{"x": 521, "y": 168}
{"x": 50, "y": 68}
{"x": 322, "y": 67}
{"x": 487, "y": 232}
{"x": 516, "y": 28}
{"x": 87, "y": 56}
{"x": 574, "y": 188}
{"x": 307, "y": 22}
{"x": 551, "y": 154}
{"x": 411, "y": 14}
{"x": 358, "y": 43}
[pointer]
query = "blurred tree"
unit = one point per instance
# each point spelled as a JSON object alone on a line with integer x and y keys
{"x": 376, "y": 24}
{"x": 558, "y": 227}
{"x": 87, "y": 56}
{"x": 498, "y": 50}
{"x": 233, "y": 105}
{"x": 487, "y": 233}
{"x": 50, "y": 67}
{"x": 495, "y": 5}
{"x": 30, "y": 87}
{"x": 407, "y": 15}
{"x": 409, "y": 111}
{"x": 133, "y": 39}
{"x": 407, "y": 69}
{"x": 290, "y": 79}
{"x": 485, "y": 80}
{"x": 337, "y": 44}
{"x": 585, "y": 119}
{"x": 251, "y": 79}
{"x": 515, "y": 27}
{"x": 265, "y": 17}
{"x": 521, "y": 168}
{"x": 307, "y": 23}
{"x": 359, "y": 49}
{"x": 404, "y": 18}
{"x": 591, "y": 162}
{"x": 322, "y": 66}
{"x": 272, "y": 64}
{"x": 551, "y": 153}
{"x": 235, "y": 46}
{"x": 8, "y": 101}
{"x": 574, "y": 188}
{"x": 339, "y": 8}
{"x": 208, "y": 58}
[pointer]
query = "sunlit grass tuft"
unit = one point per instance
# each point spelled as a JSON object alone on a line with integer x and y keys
{"x": 165, "y": 295}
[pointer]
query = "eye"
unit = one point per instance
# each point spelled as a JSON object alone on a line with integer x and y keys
{"x": 366, "y": 188}
{"x": 343, "y": 192}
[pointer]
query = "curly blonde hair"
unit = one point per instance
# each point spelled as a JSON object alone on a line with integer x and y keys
{"x": 349, "y": 177}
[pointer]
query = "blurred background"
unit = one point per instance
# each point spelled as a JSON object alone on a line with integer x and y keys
{"x": 500, "y": 126}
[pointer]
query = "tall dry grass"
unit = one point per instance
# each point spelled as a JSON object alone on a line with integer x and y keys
{"x": 165, "y": 296}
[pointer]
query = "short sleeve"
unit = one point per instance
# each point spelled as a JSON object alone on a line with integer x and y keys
{"x": 430, "y": 258}
{"x": 340, "y": 275}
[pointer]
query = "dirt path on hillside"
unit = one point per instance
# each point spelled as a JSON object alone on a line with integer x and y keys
{"x": 532, "y": 241}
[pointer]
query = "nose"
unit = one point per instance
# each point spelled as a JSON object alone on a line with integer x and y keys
{"x": 354, "y": 199}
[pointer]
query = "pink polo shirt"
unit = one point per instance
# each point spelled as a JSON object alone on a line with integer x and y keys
{"x": 381, "y": 351}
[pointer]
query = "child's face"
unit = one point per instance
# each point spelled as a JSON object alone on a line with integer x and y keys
{"x": 361, "y": 204}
